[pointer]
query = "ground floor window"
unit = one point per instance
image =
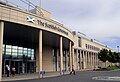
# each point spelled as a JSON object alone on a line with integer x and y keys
{"x": 22, "y": 58}
{"x": 79, "y": 66}
{"x": 56, "y": 60}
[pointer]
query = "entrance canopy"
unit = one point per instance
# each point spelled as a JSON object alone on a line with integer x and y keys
{"x": 21, "y": 35}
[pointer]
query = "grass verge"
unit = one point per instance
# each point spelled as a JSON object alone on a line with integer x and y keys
{"x": 113, "y": 67}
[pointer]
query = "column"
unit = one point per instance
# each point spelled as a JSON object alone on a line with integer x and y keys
{"x": 88, "y": 60}
{"x": 61, "y": 55}
{"x": 91, "y": 59}
{"x": 97, "y": 59}
{"x": 40, "y": 53}
{"x": 84, "y": 60}
{"x": 81, "y": 60}
{"x": 1, "y": 44}
{"x": 73, "y": 61}
{"x": 66, "y": 60}
{"x": 57, "y": 59}
{"x": 70, "y": 56}
{"x": 94, "y": 59}
{"x": 76, "y": 59}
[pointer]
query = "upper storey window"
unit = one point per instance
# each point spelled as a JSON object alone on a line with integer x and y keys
{"x": 86, "y": 46}
{"x": 90, "y": 47}
{"x": 79, "y": 42}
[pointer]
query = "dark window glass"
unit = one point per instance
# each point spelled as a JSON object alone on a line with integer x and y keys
{"x": 79, "y": 42}
{"x": 86, "y": 46}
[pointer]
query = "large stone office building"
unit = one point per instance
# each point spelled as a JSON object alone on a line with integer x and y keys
{"x": 32, "y": 42}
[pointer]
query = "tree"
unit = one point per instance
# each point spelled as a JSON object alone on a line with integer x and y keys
{"x": 110, "y": 56}
{"x": 113, "y": 57}
{"x": 103, "y": 55}
{"x": 116, "y": 57}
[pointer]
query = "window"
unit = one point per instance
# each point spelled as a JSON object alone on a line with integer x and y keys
{"x": 92, "y": 47}
{"x": 32, "y": 57}
{"x": 25, "y": 51}
{"x": 20, "y": 52}
{"x": 8, "y": 49}
{"x": 79, "y": 42}
{"x": 86, "y": 46}
{"x": 8, "y": 46}
{"x": 29, "y": 54}
{"x": 14, "y": 51}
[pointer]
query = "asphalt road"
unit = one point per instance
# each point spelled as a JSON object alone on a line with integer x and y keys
{"x": 81, "y": 76}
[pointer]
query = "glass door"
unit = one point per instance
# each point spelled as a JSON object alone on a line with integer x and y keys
{"x": 30, "y": 67}
{"x": 18, "y": 66}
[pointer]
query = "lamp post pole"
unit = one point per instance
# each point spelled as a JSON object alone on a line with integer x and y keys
{"x": 118, "y": 48}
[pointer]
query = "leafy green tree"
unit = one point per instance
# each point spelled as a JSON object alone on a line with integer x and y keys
{"x": 116, "y": 57}
{"x": 113, "y": 57}
{"x": 110, "y": 56}
{"x": 102, "y": 55}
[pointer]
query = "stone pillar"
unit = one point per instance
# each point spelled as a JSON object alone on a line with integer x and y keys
{"x": 61, "y": 55}
{"x": 76, "y": 59}
{"x": 84, "y": 63}
{"x": 84, "y": 59}
{"x": 57, "y": 59}
{"x": 97, "y": 59}
{"x": 81, "y": 60}
{"x": 40, "y": 53}
{"x": 1, "y": 45}
{"x": 67, "y": 60}
{"x": 70, "y": 56}
{"x": 73, "y": 57}
{"x": 94, "y": 60}
{"x": 91, "y": 59}
{"x": 88, "y": 60}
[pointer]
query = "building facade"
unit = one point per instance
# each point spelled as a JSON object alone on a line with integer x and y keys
{"x": 86, "y": 52}
{"x": 32, "y": 42}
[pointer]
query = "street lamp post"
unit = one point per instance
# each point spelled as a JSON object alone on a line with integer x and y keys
{"x": 118, "y": 48}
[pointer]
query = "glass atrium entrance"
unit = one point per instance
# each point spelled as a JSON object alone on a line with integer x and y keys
{"x": 19, "y": 44}
{"x": 23, "y": 59}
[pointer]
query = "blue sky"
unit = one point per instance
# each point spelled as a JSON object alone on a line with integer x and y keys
{"x": 98, "y": 19}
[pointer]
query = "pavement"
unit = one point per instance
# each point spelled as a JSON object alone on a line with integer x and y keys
{"x": 29, "y": 76}
{"x": 81, "y": 76}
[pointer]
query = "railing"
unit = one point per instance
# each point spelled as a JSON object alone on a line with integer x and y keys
{"x": 6, "y": 2}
